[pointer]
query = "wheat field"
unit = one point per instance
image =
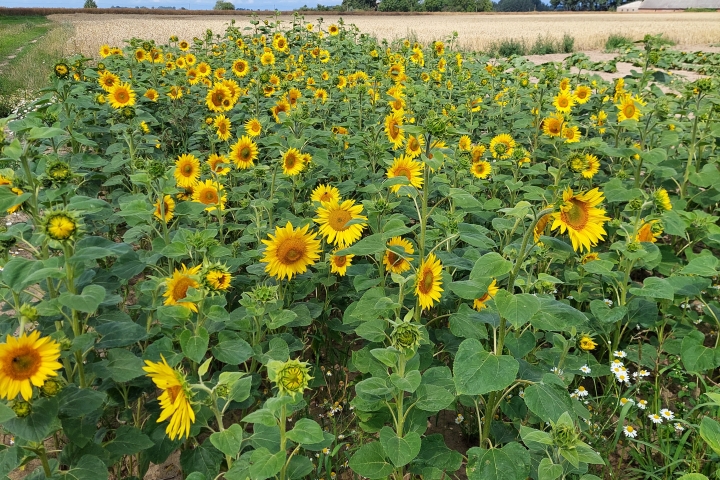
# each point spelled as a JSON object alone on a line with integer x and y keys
{"x": 475, "y": 31}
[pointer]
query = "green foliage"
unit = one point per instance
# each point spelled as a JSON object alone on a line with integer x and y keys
{"x": 617, "y": 42}
{"x": 398, "y": 5}
{"x": 223, "y": 5}
{"x": 90, "y": 4}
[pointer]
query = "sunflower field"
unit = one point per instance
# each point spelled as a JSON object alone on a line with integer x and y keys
{"x": 293, "y": 251}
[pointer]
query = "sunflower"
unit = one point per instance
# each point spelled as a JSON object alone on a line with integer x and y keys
{"x": 564, "y": 101}
{"x": 177, "y": 287}
{"x": 184, "y": 45}
{"x": 582, "y": 94}
{"x": 477, "y": 152}
{"x": 649, "y": 231}
{"x": 293, "y": 162}
{"x": 333, "y": 218}
{"x": 164, "y": 210}
{"x": 190, "y": 59}
{"x": 60, "y": 225}
{"x": 393, "y": 131}
{"x": 414, "y": 146}
{"x": 175, "y": 398}
{"x": 281, "y": 106}
{"x": 628, "y": 109}
{"x": 175, "y": 92}
{"x": 211, "y": 194}
{"x": 480, "y": 303}
{"x": 253, "y": 127}
{"x": 571, "y": 134}
{"x": 333, "y": 29}
{"x": 593, "y": 166}
{"x": 240, "y": 67}
{"x": 280, "y": 43}
{"x": 394, "y": 262}
{"x": 203, "y": 69}
{"x": 107, "y": 80}
{"x": 267, "y": 59}
{"x": 428, "y": 282}
{"x": 223, "y": 125}
{"x": 61, "y": 70}
{"x": 589, "y": 257}
{"x": 217, "y": 277}
{"x": 151, "y": 94}
{"x": 290, "y": 251}
{"x": 244, "y": 153}
{"x": 27, "y": 361}
{"x": 586, "y": 343}
{"x": 216, "y": 162}
{"x": 405, "y": 166}
{"x": 325, "y": 194}
{"x": 233, "y": 88}
{"x": 187, "y": 170}
{"x": 552, "y": 126}
{"x": 564, "y": 84}
{"x": 581, "y": 218}
{"x": 216, "y": 98}
{"x": 339, "y": 263}
{"x": 193, "y": 76}
{"x": 481, "y": 169}
{"x": 540, "y": 227}
{"x": 662, "y": 199}
{"x": 140, "y": 55}
{"x": 292, "y": 97}
{"x": 502, "y": 146}
{"x": 105, "y": 51}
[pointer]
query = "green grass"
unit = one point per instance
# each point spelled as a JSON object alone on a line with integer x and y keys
{"x": 617, "y": 42}
{"x": 29, "y": 71}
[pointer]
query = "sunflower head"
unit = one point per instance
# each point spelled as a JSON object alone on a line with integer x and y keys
{"x": 586, "y": 343}
{"x": 61, "y": 70}
{"x": 177, "y": 286}
{"x": 61, "y": 226}
{"x": 216, "y": 277}
{"x": 662, "y": 199}
{"x": 406, "y": 335}
{"x": 291, "y": 377}
{"x": 26, "y": 361}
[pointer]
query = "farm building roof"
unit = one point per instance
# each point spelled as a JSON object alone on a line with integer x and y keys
{"x": 630, "y": 6}
{"x": 678, "y": 4}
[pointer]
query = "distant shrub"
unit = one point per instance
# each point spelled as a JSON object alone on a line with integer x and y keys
{"x": 508, "y": 47}
{"x": 568, "y": 43}
{"x": 617, "y": 42}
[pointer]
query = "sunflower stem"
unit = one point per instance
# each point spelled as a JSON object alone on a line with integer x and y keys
{"x": 423, "y": 219}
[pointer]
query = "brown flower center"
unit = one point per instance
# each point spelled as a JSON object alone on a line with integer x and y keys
{"x": 338, "y": 219}
{"x": 575, "y": 214}
{"x": 24, "y": 364}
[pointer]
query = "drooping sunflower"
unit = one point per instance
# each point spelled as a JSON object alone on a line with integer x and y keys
{"x": 553, "y": 125}
{"x": 293, "y": 162}
{"x": 540, "y": 227}
{"x": 564, "y": 101}
{"x": 175, "y": 92}
{"x": 414, "y": 147}
{"x": 26, "y": 361}
{"x": 216, "y": 277}
{"x": 281, "y": 106}
{"x": 428, "y": 282}
{"x": 187, "y": 170}
{"x": 480, "y": 303}
{"x": 581, "y": 218}
{"x": 339, "y": 263}
{"x": 477, "y": 152}
{"x": 121, "y": 95}
{"x": 582, "y": 94}
{"x": 223, "y": 125}
{"x": 502, "y": 146}
{"x": 325, "y": 194}
{"x": 290, "y": 251}
{"x": 394, "y": 262}
{"x": 216, "y": 162}
{"x": 593, "y": 166}
{"x": 178, "y": 285}
{"x": 649, "y": 231}
{"x": 211, "y": 194}
{"x": 589, "y": 257}
{"x": 395, "y": 134}
{"x": 164, "y": 211}
{"x": 465, "y": 144}
{"x": 333, "y": 218}
{"x": 244, "y": 153}
{"x": 628, "y": 109}
{"x": 481, "y": 169}
{"x": 253, "y": 127}
{"x": 61, "y": 70}
{"x": 404, "y": 166}
{"x": 662, "y": 199}
{"x": 175, "y": 400}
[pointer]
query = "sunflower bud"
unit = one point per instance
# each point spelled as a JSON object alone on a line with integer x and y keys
{"x": 291, "y": 377}
{"x": 22, "y": 408}
{"x": 156, "y": 169}
{"x": 577, "y": 162}
{"x": 633, "y": 247}
{"x": 60, "y": 225}
{"x": 222, "y": 391}
{"x": 586, "y": 343}
{"x": 58, "y": 171}
{"x": 264, "y": 293}
{"x": 405, "y": 336}
{"x": 565, "y": 435}
{"x": 28, "y": 313}
{"x": 636, "y": 204}
{"x": 50, "y": 388}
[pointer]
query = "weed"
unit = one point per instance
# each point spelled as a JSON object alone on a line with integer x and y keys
{"x": 617, "y": 42}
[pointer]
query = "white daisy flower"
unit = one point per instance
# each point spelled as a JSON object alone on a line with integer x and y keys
{"x": 585, "y": 369}
{"x": 679, "y": 427}
{"x": 642, "y": 404}
{"x": 620, "y": 353}
{"x": 581, "y": 392}
{"x": 624, "y": 401}
{"x": 630, "y": 431}
{"x": 459, "y": 419}
{"x": 667, "y": 414}
{"x": 655, "y": 418}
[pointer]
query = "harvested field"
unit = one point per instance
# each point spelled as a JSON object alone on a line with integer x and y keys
{"x": 476, "y": 31}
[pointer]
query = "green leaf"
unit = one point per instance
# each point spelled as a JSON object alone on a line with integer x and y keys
{"x": 299, "y": 467}
{"x": 366, "y": 246}
{"x": 517, "y": 309}
{"x": 373, "y": 389}
{"x": 400, "y": 451}
{"x": 88, "y": 301}
{"x": 556, "y": 316}
{"x": 370, "y": 462}
{"x": 477, "y": 372}
{"x": 16, "y": 271}
{"x": 548, "y": 399}
{"x": 76, "y": 402}
{"x": 469, "y": 289}
{"x": 128, "y": 441}
{"x": 605, "y": 314}
{"x": 280, "y": 318}
{"x": 205, "y": 459}
{"x": 10, "y": 459}
{"x": 511, "y": 462}
{"x": 695, "y": 356}
{"x": 547, "y": 470}
{"x": 531, "y": 435}
{"x": 240, "y": 389}
{"x": 710, "y": 432}
{"x": 120, "y": 334}
{"x": 264, "y": 464}
{"x": 229, "y": 440}
{"x": 9, "y": 199}
{"x": 263, "y": 416}
{"x": 491, "y": 265}
{"x": 409, "y": 383}
{"x": 37, "y": 426}
{"x": 6, "y": 413}
{"x": 433, "y": 398}
{"x": 693, "y": 476}
{"x": 704, "y": 266}
{"x": 89, "y": 467}
{"x": 387, "y": 356}
{"x": 654, "y": 287}
{"x": 124, "y": 365}
{"x": 195, "y": 346}
{"x": 306, "y": 431}
{"x": 372, "y": 330}
{"x": 38, "y": 133}
{"x": 587, "y": 455}
{"x": 231, "y": 348}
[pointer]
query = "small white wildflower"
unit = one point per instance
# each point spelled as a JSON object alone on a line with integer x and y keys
{"x": 608, "y": 302}
{"x": 630, "y": 431}
{"x": 570, "y": 297}
{"x": 620, "y": 353}
{"x": 341, "y": 436}
{"x": 521, "y": 393}
{"x": 667, "y": 414}
{"x": 329, "y": 373}
{"x": 556, "y": 370}
{"x": 623, "y": 378}
{"x": 581, "y": 392}
{"x": 642, "y": 404}
{"x": 459, "y": 419}
{"x": 624, "y": 401}
{"x": 679, "y": 427}
{"x": 655, "y": 418}
{"x": 585, "y": 369}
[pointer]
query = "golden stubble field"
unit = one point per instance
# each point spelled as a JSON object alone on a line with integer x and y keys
{"x": 476, "y": 31}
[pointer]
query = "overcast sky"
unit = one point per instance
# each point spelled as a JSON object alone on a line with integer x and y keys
{"x": 189, "y": 4}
